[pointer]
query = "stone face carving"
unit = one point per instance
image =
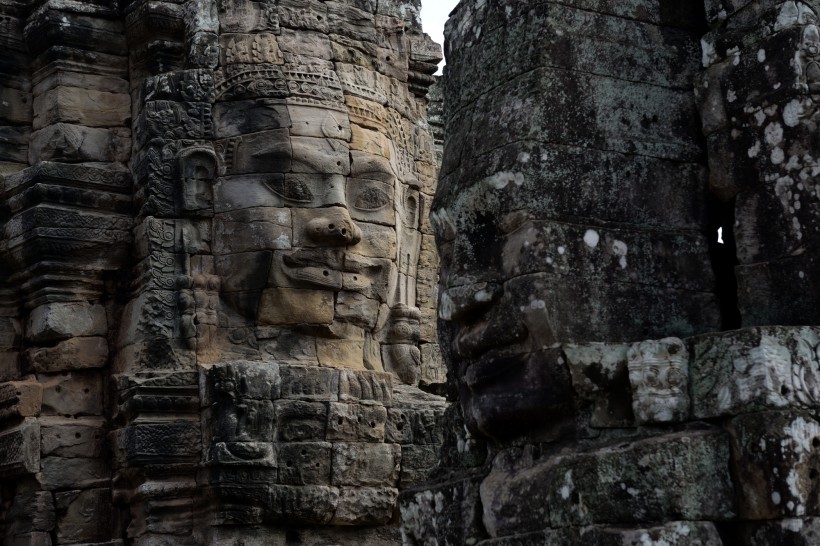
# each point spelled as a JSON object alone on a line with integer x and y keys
{"x": 542, "y": 241}
{"x": 582, "y": 292}
{"x": 217, "y": 277}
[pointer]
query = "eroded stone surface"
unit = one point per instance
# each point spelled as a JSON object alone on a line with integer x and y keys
{"x": 215, "y": 263}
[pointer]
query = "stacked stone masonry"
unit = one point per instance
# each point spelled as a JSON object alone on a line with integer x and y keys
{"x": 217, "y": 278}
{"x": 588, "y": 314}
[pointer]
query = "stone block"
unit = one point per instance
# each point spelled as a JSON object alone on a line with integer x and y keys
{"x": 14, "y": 144}
{"x": 417, "y": 461}
{"x": 341, "y": 353}
{"x": 433, "y": 369}
{"x": 15, "y": 106}
{"x": 75, "y": 143}
{"x": 398, "y": 429}
{"x": 311, "y": 121}
{"x": 73, "y": 438}
{"x": 310, "y": 383}
{"x": 355, "y": 385}
{"x": 58, "y": 473}
{"x": 88, "y": 107}
{"x": 147, "y": 443}
{"x": 776, "y": 455}
{"x": 361, "y": 464}
{"x": 304, "y": 463}
{"x": 250, "y": 230}
{"x": 671, "y": 477}
{"x": 72, "y": 354}
{"x": 449, "y": 511}
{"x": 83, "y": 516}
{"x": 263, "y": 152}
{"x": 679, "y": 533}
{"x": 754, "y": 369}
{"x": 600, "y": 377}
{"x": 72, "y": 393}
{"x": 242, "y": 380}
{"x": 249, "y": 116}
{"x": 31, "y": 513}
{"x": 20, "y": 450}
{"x": 786, "y": 532}
{"x": 58, "y": 321}
{"x": 365, "y": 506}
{"x": 298, "y": 421}
{"x": 310, "y": 505}
{"x": 377, "y": 241}
{"x": 659, "y": 376}
{"x": 243, "y": 420}
{"x": 243, "y": 454}
{"x": 20, "y": 399}
{"x": 281, "y": 306}
{"x": 356, "y": 422}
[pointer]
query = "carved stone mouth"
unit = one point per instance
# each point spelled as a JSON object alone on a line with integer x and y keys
{"x": 319, "y": 269}
{"x": 491, "y": 365}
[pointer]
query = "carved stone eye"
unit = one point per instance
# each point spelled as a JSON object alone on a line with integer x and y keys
{"x": 292, "y": 190}
{"x": 370, "y": 196}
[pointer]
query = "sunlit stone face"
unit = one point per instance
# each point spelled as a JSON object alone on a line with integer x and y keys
{"x": 316, "y": 218}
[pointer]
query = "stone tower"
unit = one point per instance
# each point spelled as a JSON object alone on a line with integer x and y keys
{"x": 593, "y": 149}
{"x": 217, "y": 281}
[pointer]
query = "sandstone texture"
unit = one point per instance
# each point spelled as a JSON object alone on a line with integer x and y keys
{"x": 215, "y": 263}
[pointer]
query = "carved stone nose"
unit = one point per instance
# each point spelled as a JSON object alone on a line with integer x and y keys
{"x": 334, "y": 228}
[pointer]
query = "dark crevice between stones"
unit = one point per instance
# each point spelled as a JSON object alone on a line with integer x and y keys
{"x": 730, "y": 533}
{"x": 721, "y": 216}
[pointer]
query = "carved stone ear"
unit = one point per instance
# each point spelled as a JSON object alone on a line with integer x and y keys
{"x": 196, "y": 173}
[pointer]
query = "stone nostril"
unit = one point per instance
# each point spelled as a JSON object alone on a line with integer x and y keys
{"x": 331, "y": 226}
{"x": 344, "y": 231}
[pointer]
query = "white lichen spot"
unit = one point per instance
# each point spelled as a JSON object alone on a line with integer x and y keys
{"x": 778, "y": 156}
{"x": 794, "y": 525}
{"x": 760, "y": 118}
{"x": 620, "y": 249}
{"x": 776, "y": 498}
{"x": 538, "y": 304}
{"x": 524, "y": 157}
{"x": 566, "y": 489}
{"x": 501, "y": 180}
{"x": 754, "y": 150}
{"x": 791, "y": 113}
{"x": 439, "y": 500}
{"x": 591, "y": 238}
{"x": 801, "y": 274}
{"x": 561, "y": 250}
{"x": 483, "y": 296}
{"x": 707, "y": 46}
{"x": 632, "y": 492}
{"x": 731, "y": 96}
{"x": 761, "y": 55}
{"x": 774, "y": 133}
{"x": 793, "y": 164}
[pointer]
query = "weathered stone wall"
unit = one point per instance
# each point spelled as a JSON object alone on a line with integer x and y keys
{"x": 582, "y": 290}
{"x": 217, "y": 277}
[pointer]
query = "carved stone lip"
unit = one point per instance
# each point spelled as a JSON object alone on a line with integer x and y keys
{"x": 476, "y": 339}
{"x": 319, "y": 268}
{"x": 493, "y": 364}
